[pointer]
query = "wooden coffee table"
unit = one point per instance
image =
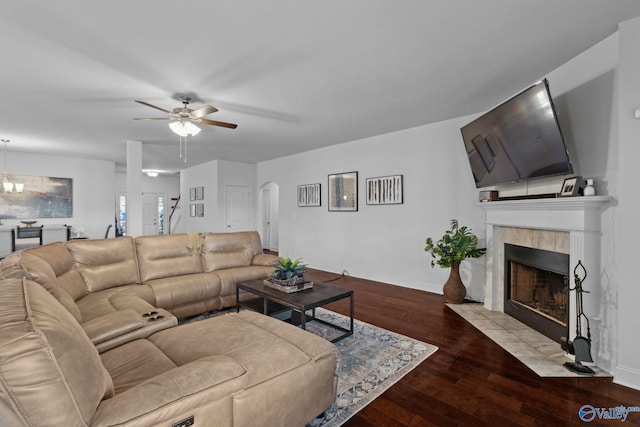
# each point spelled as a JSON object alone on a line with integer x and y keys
{"x": 273, "y": 302}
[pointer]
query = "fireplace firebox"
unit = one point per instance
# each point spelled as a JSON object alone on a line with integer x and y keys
{"x": 536, "y": 289}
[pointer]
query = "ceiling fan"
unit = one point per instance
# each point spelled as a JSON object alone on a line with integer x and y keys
{"x": 183, "y": 119}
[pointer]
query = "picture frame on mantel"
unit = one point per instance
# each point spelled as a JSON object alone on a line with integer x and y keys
{"x": 571, "y": 187}
{"x": 343, "y": 192}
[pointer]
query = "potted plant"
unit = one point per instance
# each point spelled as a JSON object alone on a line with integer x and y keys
{"x": 457, "y": 244}
{"x": 288, "y": 272}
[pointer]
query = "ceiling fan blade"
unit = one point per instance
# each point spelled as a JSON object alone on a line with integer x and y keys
{"x": 215, "y": 123}
{"x": 153, "y": 106}
{"x": 203, "y": 111}
{"x": 153, "y": 118}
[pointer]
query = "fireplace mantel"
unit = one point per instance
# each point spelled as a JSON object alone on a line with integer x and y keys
{"x": 562, "y": 213}
{"x": 580, "y": 217}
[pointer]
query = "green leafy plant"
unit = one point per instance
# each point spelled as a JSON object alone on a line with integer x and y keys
{"x": 457, "y": 244}
{"x": 286, "y": 268}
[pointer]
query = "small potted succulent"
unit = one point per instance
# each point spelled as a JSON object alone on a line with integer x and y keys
{"x": 456, "y": 245}
{"x": 288, "y": 272}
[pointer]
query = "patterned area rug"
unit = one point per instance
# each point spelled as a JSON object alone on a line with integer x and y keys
{"x": 371, "y": 361}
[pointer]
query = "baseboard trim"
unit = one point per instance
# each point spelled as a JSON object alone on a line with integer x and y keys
{"x": 628, "y": 377}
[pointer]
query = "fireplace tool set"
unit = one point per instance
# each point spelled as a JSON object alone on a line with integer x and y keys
{"x": 580, "y": 346}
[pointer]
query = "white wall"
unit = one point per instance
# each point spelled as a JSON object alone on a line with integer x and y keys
{"x": 626, "y": 226}
{"x": 214, "y": 177}
{"x": 93, "y": 188}
{"x": 204, "y": 175}
{"x": 383, "y": 243}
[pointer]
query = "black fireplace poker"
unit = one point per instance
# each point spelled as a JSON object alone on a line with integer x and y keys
{"x": 580, "y": 345}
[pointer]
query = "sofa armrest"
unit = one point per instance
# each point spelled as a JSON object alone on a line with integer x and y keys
{"x": 264, "y": 259}
{"x": 114, "y": 324}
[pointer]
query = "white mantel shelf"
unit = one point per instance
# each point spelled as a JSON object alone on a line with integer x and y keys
{"x": 569, "y": 203}
{"x": 562, "y": 213}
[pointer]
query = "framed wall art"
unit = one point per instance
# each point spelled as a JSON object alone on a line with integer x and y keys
{"x": 192, "y": 209}
{"x": 199, "y": 193}
{"x": 384, "y": 190}
{"x": 309, "y": 195}
{"x": 343, "y": 192}
{"x": 42, "y": 197}
{"x": 192, "y": 193}
{"x": 200, "y": 209}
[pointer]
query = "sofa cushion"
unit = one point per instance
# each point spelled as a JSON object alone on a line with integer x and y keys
{"x": 230, "y": 276}
{"x": 26, "y": 264}
{"x": 246, "y": 337}
{"x": 200, "y": 389}
{"x": 135, "y": 362}
{"x": 173, "y": 292}
{"x": 98, "y": 304}
{"x": 105, "y": 263}
{"x": 168, "y": 256}
{"x": 40, "y": 378}
{"x": 227, "y": 250}
{"x": 60, "y": 260}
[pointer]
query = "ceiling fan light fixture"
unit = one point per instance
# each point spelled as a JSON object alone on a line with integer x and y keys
{"x": 191, "y": 128}
{"x": 184, "y": 128}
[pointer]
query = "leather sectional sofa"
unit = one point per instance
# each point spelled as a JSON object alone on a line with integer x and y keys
{"x": 89, "y": 337}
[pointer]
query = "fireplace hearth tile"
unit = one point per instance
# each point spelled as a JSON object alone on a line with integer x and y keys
{"x": 500, "y": 335}
{"x": 542, "y": 355}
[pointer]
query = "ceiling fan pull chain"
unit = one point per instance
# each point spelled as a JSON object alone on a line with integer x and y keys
{"x": 185, "y": 148}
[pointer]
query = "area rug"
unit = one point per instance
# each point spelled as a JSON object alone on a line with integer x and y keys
{"x": 371, "y": 361}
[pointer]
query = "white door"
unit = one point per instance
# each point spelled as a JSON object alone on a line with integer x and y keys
{"x": 266, "y": 219}
{"x": 150, "y": 214}
{"x": 238, "y": 208}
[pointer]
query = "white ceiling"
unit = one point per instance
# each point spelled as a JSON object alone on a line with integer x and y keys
{"x": 294, "y": 75}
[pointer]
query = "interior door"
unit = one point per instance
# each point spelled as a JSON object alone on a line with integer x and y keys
{"x": 150, "y": 214}
{"x": 266, "y": 219}
{"x": 238, "y": 208}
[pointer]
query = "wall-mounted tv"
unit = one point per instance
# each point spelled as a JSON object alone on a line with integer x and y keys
{"x": 518, "y": 140}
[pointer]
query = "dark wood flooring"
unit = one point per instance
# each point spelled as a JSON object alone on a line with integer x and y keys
{"x": 470, "y": 380}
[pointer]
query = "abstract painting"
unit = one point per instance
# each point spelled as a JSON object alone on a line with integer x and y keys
{"x": 309, "y": 195}
{"x": 42, "y": 197}
{"x": 343, "y": 192}
{"x": 384, "y": 190}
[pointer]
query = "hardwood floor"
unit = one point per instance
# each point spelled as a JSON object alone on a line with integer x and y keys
{"x": 470, "y": 380}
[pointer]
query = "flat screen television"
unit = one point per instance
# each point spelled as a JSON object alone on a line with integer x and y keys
{"x": 518, "y": 140}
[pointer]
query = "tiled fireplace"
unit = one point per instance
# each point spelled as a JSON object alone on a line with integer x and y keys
{"x": 569, "y": 226}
